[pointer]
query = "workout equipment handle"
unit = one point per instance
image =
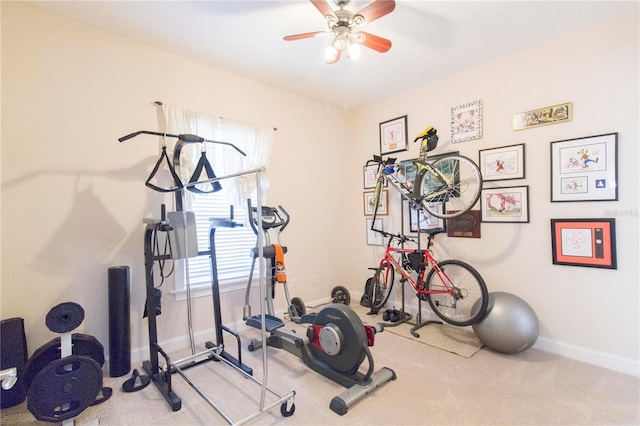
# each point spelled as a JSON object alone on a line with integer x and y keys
{"x": 183, "y": 137}
{"x": 286, "y": 218}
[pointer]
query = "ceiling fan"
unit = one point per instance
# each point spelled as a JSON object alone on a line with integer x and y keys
{"x": 342, "y": 24}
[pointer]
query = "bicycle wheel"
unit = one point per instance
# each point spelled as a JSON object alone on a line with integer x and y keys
{"x": 381, "y": 285}
{"x": 464, "y": 287}
{"x": 454, "y": 180}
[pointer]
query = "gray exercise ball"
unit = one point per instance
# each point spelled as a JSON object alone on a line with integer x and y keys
{"x": 509, "y": 326}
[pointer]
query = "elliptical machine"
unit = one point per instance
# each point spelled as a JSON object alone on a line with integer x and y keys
{"x": 336, "y": 341}
{"x": 275, "y": 220}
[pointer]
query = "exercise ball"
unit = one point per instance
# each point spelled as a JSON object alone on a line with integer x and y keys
{"x": 509, "y": 326}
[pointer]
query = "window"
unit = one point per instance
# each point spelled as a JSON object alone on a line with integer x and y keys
{"x": 233, "y": 245}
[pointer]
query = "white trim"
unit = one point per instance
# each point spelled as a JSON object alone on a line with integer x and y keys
{"x": 600, "y": 359}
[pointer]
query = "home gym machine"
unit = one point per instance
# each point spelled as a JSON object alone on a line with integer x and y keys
{"x": 336, "y": 341}
{"x": 179, "y": 230}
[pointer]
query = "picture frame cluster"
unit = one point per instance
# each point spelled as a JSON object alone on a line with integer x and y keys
{"x": 582, "y": 169}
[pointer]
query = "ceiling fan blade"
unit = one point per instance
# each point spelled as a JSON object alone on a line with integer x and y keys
{"x": 372, "y": 41}
{"x": 377, "y": 9}
{"x": 304, "y": 35}
{"x": 336, "y": 59}
{"x": 323, "y": 7}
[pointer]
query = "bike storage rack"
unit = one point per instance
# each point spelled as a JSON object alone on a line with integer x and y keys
{"x": 180, "y": 229}
{"x": 405, "y": 317}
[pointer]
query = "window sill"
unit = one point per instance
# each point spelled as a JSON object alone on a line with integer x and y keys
{"x": 204, "y": 290}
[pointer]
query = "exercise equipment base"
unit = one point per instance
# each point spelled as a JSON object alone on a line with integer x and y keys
{"x": 341, "y": 403}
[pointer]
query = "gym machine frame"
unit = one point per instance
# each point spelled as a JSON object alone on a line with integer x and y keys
{"x": 161, "y": 377}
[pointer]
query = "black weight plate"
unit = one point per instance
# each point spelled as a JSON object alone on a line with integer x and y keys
{"x": 65, "y": 317}
{"x": 83, "y": 344}
{"x": 64, "y": 388}
{"x": 340, "y": 294}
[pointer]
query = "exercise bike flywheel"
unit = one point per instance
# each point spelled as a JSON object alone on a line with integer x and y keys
{"x": 341, "y": 340}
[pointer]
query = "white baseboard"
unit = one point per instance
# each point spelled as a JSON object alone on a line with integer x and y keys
{"x": 600, "y": 359}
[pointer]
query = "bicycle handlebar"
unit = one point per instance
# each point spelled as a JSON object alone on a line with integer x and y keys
{"x": 377, "y": 159}
{"x": 401, "y": 238}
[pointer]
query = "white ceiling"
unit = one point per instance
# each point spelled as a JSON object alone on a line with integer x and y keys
{"x": 431, "y": 39}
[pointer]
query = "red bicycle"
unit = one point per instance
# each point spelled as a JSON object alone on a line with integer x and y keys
{"x": 455, "y": 291}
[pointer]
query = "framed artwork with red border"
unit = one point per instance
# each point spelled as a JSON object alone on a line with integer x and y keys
{"x": 584, "y": 242}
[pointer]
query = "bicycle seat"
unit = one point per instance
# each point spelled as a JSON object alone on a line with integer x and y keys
{"x": 434, "y": 231}
{"x": 430, "y": 134}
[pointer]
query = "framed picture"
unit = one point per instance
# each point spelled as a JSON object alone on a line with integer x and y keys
{"x": 466, "y": 122}
{"x": 502, "y": 163}
{"x": 370, "y": 176}
{"x": 383, "y": 203}
{"x": 584, "y": 242}
{"x": 505, "y": 205}
{"x": 374, "y": 238}
{"x": 467, "y": 225}
{"x": 543, "y": 116}
{"x": 393, "y": 135}
{"x": 421, "y": 220}
{"x": 585, "y": 169}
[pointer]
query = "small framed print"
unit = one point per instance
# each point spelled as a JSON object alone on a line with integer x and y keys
{"x": 585, "y": 169}
{"x": 543, "y": 116}
{"x": 502, "y": 163}
{"x": 370, "y": 176}
{"x": 466, "y": 122}
{"x": 393, "y": 135}
{"x": 584, "y": 242}
{"x": 369, "y": 204}
{"x": 420, "y": 220}
{"x": 505, "y": 205}
{"x": 374, "y": 235}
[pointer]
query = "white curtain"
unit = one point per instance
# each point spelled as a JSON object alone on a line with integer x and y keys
{"x": 254, "y": 140}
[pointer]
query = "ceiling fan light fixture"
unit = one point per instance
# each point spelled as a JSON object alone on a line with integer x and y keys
{"x": 330, "y": 53}
{"x": 340, "y": 43}
{"x": 353, "y": 50}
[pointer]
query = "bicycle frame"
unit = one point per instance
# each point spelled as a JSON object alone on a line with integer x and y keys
{"x": 428, "y": 260}
{"x": 389, "y": 174}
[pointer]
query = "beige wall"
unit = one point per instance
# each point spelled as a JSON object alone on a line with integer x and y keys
{"x": 73, "y": 197}
{"x": 587, "y": 313}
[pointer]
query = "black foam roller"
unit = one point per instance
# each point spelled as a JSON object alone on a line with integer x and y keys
{"x": 119, "y": 324}
{"x": 13, "y": 353}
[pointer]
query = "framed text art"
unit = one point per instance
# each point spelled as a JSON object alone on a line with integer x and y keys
{"x": 420, "y": 220}
{"x": 505, "y": 205}
{"x": 502, "y": 163}
{"x": 393, "y": 135}
{"x": 466, "y": 122}
{"x": 369, "y": 204}
{"x": 585, "y": 169}
{"x": 584, "y": 242}
{"x": 374, "y": 236}
{"x": 543, "y": 116}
